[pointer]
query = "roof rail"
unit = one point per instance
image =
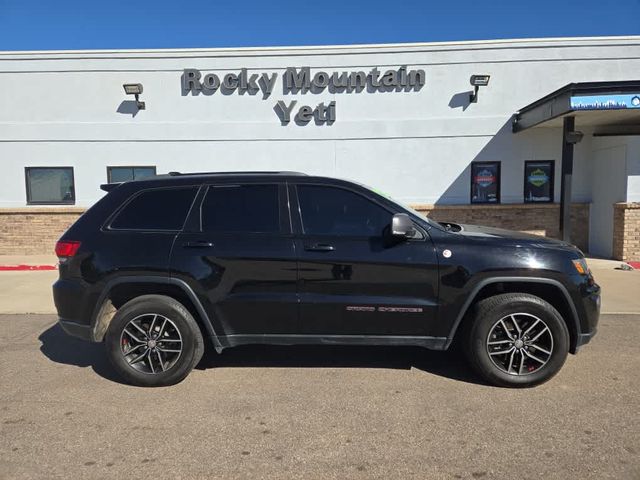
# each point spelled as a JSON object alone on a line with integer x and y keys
{"x": 178, "y": 174}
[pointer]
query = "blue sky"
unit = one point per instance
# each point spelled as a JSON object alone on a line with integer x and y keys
{"x": 73, "y": 24}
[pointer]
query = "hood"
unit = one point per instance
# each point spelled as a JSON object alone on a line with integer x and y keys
{"x": 503, "y": 236}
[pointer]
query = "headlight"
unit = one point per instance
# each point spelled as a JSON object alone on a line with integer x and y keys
{"x": 581, "y": 266}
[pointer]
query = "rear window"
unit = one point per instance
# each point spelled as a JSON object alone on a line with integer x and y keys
{"x": 241, "y": 209}
{"x": 158, "y": 209}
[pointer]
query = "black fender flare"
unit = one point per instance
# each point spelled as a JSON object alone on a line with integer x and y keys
{"x": 488, "y": 281}
{"x": 160, "y": 280}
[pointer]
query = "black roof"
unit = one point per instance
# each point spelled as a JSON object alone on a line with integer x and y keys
{"x": 179, "y": 178}
{"x": 238, "y": 173}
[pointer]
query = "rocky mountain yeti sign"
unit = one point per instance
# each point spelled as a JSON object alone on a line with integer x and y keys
{"x": 302, "y": 80}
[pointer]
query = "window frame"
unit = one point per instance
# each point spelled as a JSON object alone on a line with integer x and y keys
{"x": 298, "y": 224}
{"x": 113, "y": 217}
{"x": 283, "y": 210}
{"x": 499, "y": 182}
{"x": 38, "y": 202}
{"x": 552, "y": 181}
{"x": 132, "y": 167}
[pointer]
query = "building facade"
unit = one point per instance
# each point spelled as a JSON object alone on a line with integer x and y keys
{"x": 400, "y": 118}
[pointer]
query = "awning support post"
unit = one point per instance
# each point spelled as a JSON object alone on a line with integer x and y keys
{"x": 567, "y": 172}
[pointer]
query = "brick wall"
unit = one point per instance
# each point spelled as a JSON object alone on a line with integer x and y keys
{"x": 626, "y": 231}
{"x": 35, "y": 230}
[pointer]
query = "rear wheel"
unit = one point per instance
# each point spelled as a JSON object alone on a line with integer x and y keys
{"x": 154, "y": 341}
{"x": 517, "y": 340}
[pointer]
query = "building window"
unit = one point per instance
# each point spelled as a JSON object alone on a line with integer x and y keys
{"x": 538, "y": 181}
{"x": 50, "y": 185}
{"x": 124, "y": 174}
{"x": 485, "y": 182}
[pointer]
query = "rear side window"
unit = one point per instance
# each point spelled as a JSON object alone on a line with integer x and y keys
{"x": 335, "y": 211}
{"x": 158, "y": 209}
{"x": 241, "y": 208}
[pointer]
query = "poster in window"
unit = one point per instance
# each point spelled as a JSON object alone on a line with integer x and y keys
{"x": 538, "y": 181}
{"x": 485, "y": 182}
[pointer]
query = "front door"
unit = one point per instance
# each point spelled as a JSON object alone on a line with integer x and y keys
{"x": 354, "y": 279}
{"x": 237, "y": 253}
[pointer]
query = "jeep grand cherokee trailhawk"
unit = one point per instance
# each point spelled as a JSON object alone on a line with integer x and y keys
{"x": 161, "y": 267}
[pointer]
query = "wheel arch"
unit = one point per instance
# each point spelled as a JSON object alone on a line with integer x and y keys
{"x": 548, "y": 289}
{"x": 120, "y": 290}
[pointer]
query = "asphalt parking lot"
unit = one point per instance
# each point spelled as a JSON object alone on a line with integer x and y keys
{"x": 322, "y": 412}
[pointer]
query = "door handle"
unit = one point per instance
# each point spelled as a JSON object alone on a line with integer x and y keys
{"x": 319, "y": 247}
{"x": 198, "y": 244}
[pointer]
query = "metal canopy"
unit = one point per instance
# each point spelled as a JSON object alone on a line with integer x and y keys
{"x": 610, "y": 108}
{"x": 550, "y": 110}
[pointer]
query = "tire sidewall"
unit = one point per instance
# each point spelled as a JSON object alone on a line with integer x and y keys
{"x": 184, "y": 322}
{"x": 525, "y": 304}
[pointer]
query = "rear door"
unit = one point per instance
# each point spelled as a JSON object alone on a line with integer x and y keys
{"x": 140, "y": 234}
{"x": 237, "y": 253}
{"x": 354, "y": 279}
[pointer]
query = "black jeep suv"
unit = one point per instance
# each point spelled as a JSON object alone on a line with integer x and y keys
{"x": 159, "y": 265}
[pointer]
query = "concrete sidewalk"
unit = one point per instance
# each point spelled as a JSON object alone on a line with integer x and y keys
{"x": 30, "y": 291}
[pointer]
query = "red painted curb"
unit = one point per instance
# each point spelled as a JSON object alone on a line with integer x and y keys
{"x": 635, "y": 265}
{"x": 24, "y": 268}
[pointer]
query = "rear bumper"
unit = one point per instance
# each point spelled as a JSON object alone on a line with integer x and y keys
{"x": 74, "y": 303}
{"x": 76, "y": 329}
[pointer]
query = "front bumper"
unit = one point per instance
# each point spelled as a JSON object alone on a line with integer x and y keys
{"x": 591, "y": 299}
{"x": 585, "y": 338}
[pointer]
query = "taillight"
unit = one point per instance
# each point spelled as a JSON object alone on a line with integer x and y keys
{"x": 67, "y": 249}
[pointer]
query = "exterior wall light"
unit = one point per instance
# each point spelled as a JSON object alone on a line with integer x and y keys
{"x": 134, "y": 89}
{"x": 573, "y": 137}
{"x": 477, "y": 81}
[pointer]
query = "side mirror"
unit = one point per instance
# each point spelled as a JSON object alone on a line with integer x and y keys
{"x": 402, "y": 226}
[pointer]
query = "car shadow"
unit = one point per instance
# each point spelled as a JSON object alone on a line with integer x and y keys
{"x": 59, "y": 347}
{"x": 450, "y": 364}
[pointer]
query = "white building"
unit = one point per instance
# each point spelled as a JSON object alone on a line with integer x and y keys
{"x": 410, "y": 131}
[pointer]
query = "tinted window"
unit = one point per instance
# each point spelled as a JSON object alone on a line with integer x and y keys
{"x": 485, "y": 182}
{"x": 124, "y": 174}
{"x": 160, "y": 209}
{"x": 538, "y": 181}
{"x": 50, "y": 185}
{"x": 241, "y": 208}
{"x": 334, "y": 211}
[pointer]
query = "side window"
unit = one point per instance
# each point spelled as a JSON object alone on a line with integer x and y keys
{"x": 241, "y": 209}
{"x": 335, "y": 211}
{"x": 157, "y": 209}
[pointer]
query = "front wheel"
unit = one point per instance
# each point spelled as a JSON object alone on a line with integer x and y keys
{"x": 154, "y": 341}
{"x": 517, "y": 340}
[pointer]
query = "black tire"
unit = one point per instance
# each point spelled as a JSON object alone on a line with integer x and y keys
{"x": 192, "y": 344}
{"x": 487, "y": 315}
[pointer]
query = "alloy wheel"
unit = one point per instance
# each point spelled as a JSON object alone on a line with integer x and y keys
{"x": 520, "y": 344}
{"x": 151, "y": 343}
